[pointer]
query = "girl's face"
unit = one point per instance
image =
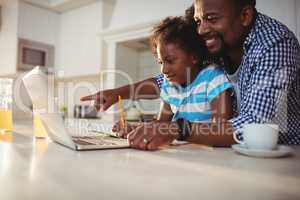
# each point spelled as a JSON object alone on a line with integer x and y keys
{"x": 177, "y": 65}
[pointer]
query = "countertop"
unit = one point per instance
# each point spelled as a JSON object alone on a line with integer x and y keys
{"x": 40, "y": 169}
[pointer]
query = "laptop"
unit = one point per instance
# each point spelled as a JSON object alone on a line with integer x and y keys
{"x": 55, "y": 127}
{"x": 36, "y": 83}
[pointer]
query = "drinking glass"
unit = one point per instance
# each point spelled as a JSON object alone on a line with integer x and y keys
{"x": 6, "y": 118}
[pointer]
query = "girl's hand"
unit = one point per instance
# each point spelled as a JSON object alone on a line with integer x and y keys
{"x": 152, "y": 135}
{"x": 123, "y": 132}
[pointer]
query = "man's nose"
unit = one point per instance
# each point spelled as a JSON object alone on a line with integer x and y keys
{"x": 203, "y": 28}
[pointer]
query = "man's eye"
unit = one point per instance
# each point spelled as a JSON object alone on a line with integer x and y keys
{"x": 211, "y": 18}
{"x": 159, "y": 62}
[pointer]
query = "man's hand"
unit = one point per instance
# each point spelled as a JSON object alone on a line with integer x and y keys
{"x": 146, "y": 89}
{"x": 103, "y": 99}
{"x": 152, "y": 135}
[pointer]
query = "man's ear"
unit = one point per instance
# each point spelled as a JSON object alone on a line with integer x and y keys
{"x": 247, "y": 15}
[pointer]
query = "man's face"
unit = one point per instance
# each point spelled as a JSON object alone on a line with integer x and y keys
{"x": 219, "y": 23}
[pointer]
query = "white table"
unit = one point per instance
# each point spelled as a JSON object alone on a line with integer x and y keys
{"x": 40, "y": 169}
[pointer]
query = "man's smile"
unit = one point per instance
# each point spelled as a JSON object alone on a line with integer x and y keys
{"x": 213, "y": 43}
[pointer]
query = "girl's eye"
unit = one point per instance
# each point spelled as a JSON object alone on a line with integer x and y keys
{"x": 159, "y": 62}
{"x": 169, "y": 62}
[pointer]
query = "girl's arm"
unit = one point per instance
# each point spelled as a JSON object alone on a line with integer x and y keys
{"x": 165, "y": 113}
{"x": 217, "y": 133}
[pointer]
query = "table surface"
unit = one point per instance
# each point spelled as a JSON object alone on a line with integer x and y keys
{"x": 40, "y": 169}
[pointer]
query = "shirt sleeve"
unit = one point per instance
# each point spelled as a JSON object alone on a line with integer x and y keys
{"x": 217, "y": 83}
{"x": 164, "y": 94}
{"x": 159, "y": 80}
{"x": 273, "y": 75}
{"x": 164, "y": 91}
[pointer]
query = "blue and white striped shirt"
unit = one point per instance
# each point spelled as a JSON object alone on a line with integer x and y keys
{"x": 193, "y": 101}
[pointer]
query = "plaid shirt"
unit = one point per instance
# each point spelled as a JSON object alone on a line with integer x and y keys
{"x": 269, "y": 79}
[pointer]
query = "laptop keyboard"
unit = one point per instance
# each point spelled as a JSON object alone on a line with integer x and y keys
{"x": 92, "y": 141}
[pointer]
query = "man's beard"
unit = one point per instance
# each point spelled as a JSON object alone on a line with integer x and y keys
{"x": 219, "y": 56}
{"x": 223, "y": 47}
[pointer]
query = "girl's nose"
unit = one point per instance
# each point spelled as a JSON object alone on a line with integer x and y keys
{"x": 164, "y": 69}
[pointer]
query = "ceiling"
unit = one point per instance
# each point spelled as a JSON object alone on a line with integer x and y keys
{"x": 60, "y": 6}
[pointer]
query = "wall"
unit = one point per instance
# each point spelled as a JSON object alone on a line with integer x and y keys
{"x": 38, "y": 24}
{"x": 148, "y": 65}
{"x": 284, "y": 11}
{"x": 35, "y": 24}
{"x": 127, "y": 61}
{"x": 78, "y": 40}
{"x": 127, "y": 65}
{"x": 8, "y": 36}
{"x": 78, "y": 48}
{"x": 129, "y": 12}
{"x": 148, "y": 68}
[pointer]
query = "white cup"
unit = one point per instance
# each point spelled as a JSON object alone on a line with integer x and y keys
{"x": 259, "y": 136}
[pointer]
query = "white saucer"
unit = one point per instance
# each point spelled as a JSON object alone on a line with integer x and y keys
{"x": 281, "y": 151}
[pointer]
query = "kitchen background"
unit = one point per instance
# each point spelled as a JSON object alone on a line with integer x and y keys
{"x": 89, "y": 37}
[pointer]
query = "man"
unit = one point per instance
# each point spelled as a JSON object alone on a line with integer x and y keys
{"x": 262, "y": 61}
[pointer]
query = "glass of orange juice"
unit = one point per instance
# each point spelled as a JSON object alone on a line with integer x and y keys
{"x": 6, "y": 118}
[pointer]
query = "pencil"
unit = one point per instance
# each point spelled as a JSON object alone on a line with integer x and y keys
{"x": 121, "y": 113}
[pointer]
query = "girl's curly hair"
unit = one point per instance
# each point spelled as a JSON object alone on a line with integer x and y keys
{"x": 178, "y": 31}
